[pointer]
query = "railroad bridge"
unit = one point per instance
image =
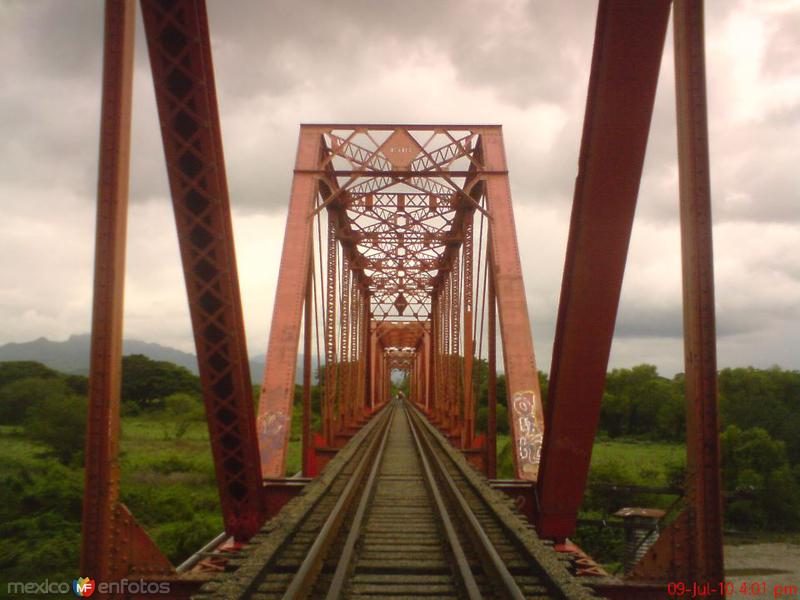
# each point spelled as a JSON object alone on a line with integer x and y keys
{"x": 401, "y": 256}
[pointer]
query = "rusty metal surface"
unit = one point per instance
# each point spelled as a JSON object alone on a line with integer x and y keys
{"x": 629, "y": 41}
{"x": 491, "y": 425}
{"x": 690, "y": 549}
{"x": 307, "y": 445}
{"x": 525, "y": 415}
{"x": 277, "y": 391}
{"x": 180, "y": 60}
{"x": 703, "y": 484}
{"x": 399, "y": 204}
{"x": 100, "y": 555}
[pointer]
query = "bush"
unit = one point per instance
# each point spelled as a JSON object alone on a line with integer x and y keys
{"x": 181, "y": 410}
{"x": 755, "y": 464}
{"x": 147, "y": 382}
{"x": 505, "y": 461}
{"x": 19, "y": 396}
{"x": 12, "y": 371}
{"x": 59, "y": 422}
{"x": 481, "y": 420}
{"x": 180, "y": 539}
{"x": 40, "y": 520}
{"x": 603, "y": 544}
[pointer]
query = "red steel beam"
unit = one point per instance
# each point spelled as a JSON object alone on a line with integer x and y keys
{"x": 308, "y": 445}
{"x": 183, "y": 76}
{"x": 629, "y": 41}
{"x": 277, "y": 391}
{"x": 703, "y": 485}
{"x": 524, "y": 397}
{"x": 491, "y": 424}
{"x": 113, "y": 544}
{"x": 101, "y": 489}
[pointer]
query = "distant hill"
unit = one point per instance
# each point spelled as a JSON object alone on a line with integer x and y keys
{"x": 72, "y": 355}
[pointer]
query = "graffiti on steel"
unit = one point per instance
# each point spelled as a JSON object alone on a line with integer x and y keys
{"x": 529, "y": 430}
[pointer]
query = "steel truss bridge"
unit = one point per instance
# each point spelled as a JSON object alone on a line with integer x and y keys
{"x": 401, "y": 254}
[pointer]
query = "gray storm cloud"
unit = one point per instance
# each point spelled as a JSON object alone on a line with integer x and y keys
{"x": 522, "y": 64}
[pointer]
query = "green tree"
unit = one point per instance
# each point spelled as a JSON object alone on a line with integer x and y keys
{"x": 755, "y": 465}
{"x": 147, "y": 382}
{"x": 639, "y": 402}
{"x": 614, "y": 414}
{"x": 19, "y": 396}
{"x": 40, "y": 520}
{"x": 25, "y": 369}
{"x": 59, "y": 422}
{"x": 769, "y": 399}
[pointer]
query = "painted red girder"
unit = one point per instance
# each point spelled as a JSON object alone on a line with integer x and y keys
{"x": 113, "y": 545}
{"x": 690, "y": 548}
{"x": 180, "y": 59}
{"x": 627, "y": 54}
{"x": 277, "y": 390}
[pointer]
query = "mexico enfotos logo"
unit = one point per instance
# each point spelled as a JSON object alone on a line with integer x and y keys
{"x": 84, "y": 587}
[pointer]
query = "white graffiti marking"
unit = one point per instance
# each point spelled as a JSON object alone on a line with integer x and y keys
{"x": 529, "y": 431}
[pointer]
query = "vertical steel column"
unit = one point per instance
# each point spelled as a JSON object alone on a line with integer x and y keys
{"x": 491, "y": 421}
{"x": 365, "y": 356}
{"x": 388, "y": 377}
{"x": 307, "y": 443}
{"x": 446, "y": 332}
{"x": 703, "y": 485}
{"x": 331, "y": 365}
{"x": 427, "y": 390}
{"x": 455, "y": 368}
{"x": 355, "y": 351}
{"x": 469, "y": 350}
{"x": 629, "y": 41}
{"x": 344, "y": 345}
{"x": 433, "y": 367}
{"x": 101, "y": 486}
{"x": 373, "y": 364}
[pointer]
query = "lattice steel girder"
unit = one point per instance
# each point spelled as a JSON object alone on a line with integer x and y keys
{"x": 629, "y": 41}
{"x": 112, "y": 543}
{"x": 401, "y": 214}
{"x": 180, "y": 59}
{"x": 277, "y": 392}
{"x": 524, "y": 397}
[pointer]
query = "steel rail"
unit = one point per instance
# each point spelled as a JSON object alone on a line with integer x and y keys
{"x": 464, "y": 570}
{"x": 348, "y": 551}
{"x": 305, "y": 578}
{"x": 490, "y": 559}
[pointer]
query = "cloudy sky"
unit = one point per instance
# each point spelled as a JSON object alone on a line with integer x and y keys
{"x": 523, "y": 64}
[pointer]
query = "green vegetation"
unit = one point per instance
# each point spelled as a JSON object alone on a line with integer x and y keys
{"x": 641, "y": 442}
{"x": 167, "y": 473}
{"x": 168, "y": 476}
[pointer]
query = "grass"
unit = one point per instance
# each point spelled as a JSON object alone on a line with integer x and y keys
{"x": 169, "y": 484}
{"x": 16, "y": 451}
{"x": 650, "y": 460}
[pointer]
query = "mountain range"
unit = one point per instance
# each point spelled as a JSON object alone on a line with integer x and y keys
{"x": 72, "y": 355}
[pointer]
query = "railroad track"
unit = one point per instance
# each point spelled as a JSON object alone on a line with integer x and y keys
{"x": 398, "y": 514}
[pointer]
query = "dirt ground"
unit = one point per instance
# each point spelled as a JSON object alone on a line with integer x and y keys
{"x": 767, "y": 570}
